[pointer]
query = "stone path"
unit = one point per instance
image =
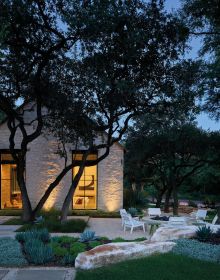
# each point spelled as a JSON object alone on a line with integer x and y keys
{"x": 37, "y": 273}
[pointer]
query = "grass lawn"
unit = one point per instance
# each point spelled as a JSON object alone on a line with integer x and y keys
{"x": 158, "y": 267}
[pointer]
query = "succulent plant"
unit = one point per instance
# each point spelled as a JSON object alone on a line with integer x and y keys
{"x": 87, "y": 236}
{"x": 204, "y": 233}
{"x": 37, "y": 252}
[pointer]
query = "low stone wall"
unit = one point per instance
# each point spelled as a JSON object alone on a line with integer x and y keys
{"x": 117, "y": 252}
{"x": 172, "y": 233}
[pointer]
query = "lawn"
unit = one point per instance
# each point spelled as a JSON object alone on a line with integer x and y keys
{"x": 158, "y": 267}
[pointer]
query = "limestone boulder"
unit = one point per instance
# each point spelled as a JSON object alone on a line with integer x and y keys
{"x": 172, "y": 233}
{"x": 117, "y": 252}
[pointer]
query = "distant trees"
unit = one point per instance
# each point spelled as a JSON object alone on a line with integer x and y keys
{"x": 203, "y": 21}
{"x": 165, "y": 156}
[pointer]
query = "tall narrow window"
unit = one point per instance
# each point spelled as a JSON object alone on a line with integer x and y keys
{"x": 10, "y": 191}
{"x": 85, "y": 196}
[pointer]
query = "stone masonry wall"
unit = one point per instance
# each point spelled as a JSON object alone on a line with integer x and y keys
{"x": 43, "y": 164}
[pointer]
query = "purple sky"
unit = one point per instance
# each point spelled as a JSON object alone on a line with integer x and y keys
{"x": 203, "y": 119}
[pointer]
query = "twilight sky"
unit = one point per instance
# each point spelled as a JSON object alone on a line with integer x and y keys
{"x": 203, "y": 119}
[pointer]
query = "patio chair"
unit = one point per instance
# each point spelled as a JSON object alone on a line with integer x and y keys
{"x": 131, "y": 223}
{"x": 201, "y": 214}
{"x": 123, "y": 212}
{"x": 152, "y": 212}
{"x": 176, "y": 221}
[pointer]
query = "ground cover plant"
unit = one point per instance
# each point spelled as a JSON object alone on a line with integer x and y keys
{"x": 158, "y": 267}
{"x": 198, "y": 250}
{"x": 11, "y": 253}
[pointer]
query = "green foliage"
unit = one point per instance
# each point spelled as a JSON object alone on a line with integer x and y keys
{"x": 87, "y": 235}
{"x": 68, "y": 260}
{"x": 58, "y": 250}
{"x": 40, "y": 234}
{"x": 64, "y": 239}
{"x": 140, "y": 239}
{"x": 135, "y": 198}
{"x": 76, "y": 248}
{"x": 118, "y": 239}
{"x": 11, "y": 253}
{"x": 197, "y": 250}
{"x": 94, "y": 244}
{"x": 37, "y": 252}
{"x": 204, "y": 233}
{"x": 54, "y": 225}
{"x": 95, "y": 213}
{"x": 133, "y": 211}
{"x": 13, "y": 221}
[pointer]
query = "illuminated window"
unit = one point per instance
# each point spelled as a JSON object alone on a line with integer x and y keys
{"x": 10, "y": 191}
{"x": 85, "y": 196}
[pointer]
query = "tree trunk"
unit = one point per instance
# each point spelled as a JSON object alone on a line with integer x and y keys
{"x": 167, "y": 200}
{"x": 175, "y": 202}
{"x": 27, "y": 213}
{"x": 159, "y": 198}
{"x": 68, "y": 199}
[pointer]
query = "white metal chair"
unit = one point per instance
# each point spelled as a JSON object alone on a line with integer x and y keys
{"x": 154, "y": 212}
{"x": 199, "y": 214}
{"x": 123, "y": 212}
{"x": 177, "y": 221}
{"x": 131, "y": 223}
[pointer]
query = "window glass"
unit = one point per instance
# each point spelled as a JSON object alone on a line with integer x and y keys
{"x": 85, "y": 195}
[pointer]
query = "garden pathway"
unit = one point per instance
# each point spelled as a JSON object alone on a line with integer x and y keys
{"x": 36, "y": 273}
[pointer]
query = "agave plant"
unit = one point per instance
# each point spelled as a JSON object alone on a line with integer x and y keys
{"x": 87, "y": 236}
{"x": 204, "y": 233}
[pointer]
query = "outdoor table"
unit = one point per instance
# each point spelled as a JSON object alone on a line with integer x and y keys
{"x": 154, "y": 224}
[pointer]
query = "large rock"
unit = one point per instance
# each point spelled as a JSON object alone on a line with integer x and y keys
{"x": 117, "y": 252}
{"x": 173, "y": 233}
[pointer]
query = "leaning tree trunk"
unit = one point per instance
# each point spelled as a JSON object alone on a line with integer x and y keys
{"x": 175, "y": 202}
{"x": 167, "y": 200}
{"x": 68, "y": 199}
{"x": 27, "y": 213}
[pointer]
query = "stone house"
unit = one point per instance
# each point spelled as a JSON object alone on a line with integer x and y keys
{"x": 100, "y": 187}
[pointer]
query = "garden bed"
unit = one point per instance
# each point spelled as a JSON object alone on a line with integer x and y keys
{"x": 37, "y": 247}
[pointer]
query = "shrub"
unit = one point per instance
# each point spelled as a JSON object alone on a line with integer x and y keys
{"x": 75, "y": 225}
{"x": 41, "y": 234}
{"x": 54, "y": 225}
{"x": 204, "y": 233}
{"x": 58, "y": 250}
{"x": 37, "y": 252}
{"x": 11, "y": 253}
{"x": 64, "y": 239}
{"x": 132, "y": 211}
{"x": 87, "y": 236}
{"x": 118, "y": 239}
{"x": 197, "y": 250}
{"x": 76, "y": 248}
{"x": 68, "y": 260}
{"x": 140, "y": 239}
{"x": 94, "y": 244}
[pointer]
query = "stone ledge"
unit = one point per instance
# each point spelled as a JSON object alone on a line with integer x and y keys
{"x": 117, "y": 252}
